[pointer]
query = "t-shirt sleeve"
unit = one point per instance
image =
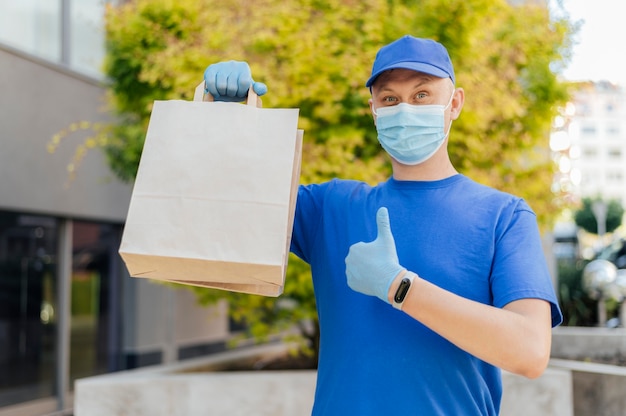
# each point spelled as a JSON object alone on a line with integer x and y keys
{"x": 307, "y": 219}
{"x": 519, "y": 268}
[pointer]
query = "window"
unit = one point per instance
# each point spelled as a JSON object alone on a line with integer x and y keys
{"x": 39, "y": 28}
{"x": 590, "y": 152}
{"x": 613, "y": 131}
{"x": 614, "y": 176}
{"x": 589, "y": 178}
{"x": 615, "y": 153}
{"x": 588, "y": 130}
{"x": 87, "y": 35}
{"x": 33, "y": 26}
{"x": 582, "y": 109}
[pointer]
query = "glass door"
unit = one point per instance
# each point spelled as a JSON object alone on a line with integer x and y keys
{"x": 94, "y": 327}
{"x": 28, "y": 247}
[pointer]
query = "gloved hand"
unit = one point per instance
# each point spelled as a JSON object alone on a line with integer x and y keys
{"x": 372, "y": 267}
{"x": 230, "y": 81}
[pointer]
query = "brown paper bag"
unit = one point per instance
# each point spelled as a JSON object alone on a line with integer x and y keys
{"x": 214, "y": 198}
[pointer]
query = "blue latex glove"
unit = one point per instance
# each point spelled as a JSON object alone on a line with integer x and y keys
{"x": 230, "y": 81}
{"x": 372, "y": 267}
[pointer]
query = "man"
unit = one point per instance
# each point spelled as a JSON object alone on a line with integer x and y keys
{"x": 429, "y": 283}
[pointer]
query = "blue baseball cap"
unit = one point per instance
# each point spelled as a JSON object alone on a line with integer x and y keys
{"x": 408, "y": 52}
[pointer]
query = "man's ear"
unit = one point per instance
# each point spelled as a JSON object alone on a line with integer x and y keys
{"x": 457, "y": 103}
{"x": 371, "y": 103}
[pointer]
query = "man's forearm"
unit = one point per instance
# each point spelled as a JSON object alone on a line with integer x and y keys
{"x": 516, "y": 338}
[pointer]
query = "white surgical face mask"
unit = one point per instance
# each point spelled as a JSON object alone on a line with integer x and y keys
{"x": 411, "y": 134}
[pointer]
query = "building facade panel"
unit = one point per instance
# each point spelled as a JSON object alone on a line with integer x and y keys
{"x": 39, "y": 102}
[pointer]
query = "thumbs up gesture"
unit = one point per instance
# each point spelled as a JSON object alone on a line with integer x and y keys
{"x": 372, "y": 267}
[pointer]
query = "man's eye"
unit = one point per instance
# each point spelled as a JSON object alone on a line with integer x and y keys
{"x": 389, "y": 99}
{"x": 420, "y": 95}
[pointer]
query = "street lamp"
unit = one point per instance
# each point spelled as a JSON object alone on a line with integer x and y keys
{"x": 599, "y": 209}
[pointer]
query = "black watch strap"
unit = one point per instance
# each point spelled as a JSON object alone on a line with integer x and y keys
{"x": 403, "y": 290}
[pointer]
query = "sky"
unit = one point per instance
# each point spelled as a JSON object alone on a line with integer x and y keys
{"x": 599, "y": 53}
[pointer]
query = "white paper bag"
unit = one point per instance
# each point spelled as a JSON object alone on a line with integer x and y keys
{"x": 214, "y": 197}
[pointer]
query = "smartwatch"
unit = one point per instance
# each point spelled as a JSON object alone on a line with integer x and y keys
{"x": 403, "y": 290}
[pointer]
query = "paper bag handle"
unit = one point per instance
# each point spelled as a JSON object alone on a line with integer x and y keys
{"x": 201, "y": 95}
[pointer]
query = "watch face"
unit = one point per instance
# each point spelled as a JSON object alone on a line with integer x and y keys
{"x": 403, "y": 288}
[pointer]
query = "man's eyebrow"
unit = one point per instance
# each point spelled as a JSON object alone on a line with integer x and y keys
{"x": 426, "y": 79}
{"x": 422, "y": 79}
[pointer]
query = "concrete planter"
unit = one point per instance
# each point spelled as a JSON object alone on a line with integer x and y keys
{"x": 597, "y": 389}
{"x": 194, "y": 387}
{"x": 230, "y": 393}
{"x": 586, "y": 344}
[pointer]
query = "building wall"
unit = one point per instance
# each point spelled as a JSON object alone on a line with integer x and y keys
{"x": 167, "y": 325}
{"x": 114, "y": 321}
{"x": 598, "y": 141}
{"x": 37, "y": 102}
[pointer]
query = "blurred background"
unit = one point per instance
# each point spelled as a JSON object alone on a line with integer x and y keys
{"x": 545, "y": 119}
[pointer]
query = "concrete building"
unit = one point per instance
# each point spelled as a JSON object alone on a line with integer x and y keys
{"x": 590, "y": 143}
{"x": 67, "y": 306}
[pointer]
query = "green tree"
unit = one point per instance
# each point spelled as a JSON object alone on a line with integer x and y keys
{"x": 316, "y": 55}
{"x": 586, "y": 219}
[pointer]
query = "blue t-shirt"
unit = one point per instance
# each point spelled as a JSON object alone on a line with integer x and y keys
{"x": 467, "y": 238}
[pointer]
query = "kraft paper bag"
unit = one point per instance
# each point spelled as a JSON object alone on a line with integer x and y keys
{"x": 214, "y": 197}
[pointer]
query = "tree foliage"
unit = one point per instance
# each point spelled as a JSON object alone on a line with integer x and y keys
{"x": 586, "y": 219}
{"x": 316, "y": 55}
